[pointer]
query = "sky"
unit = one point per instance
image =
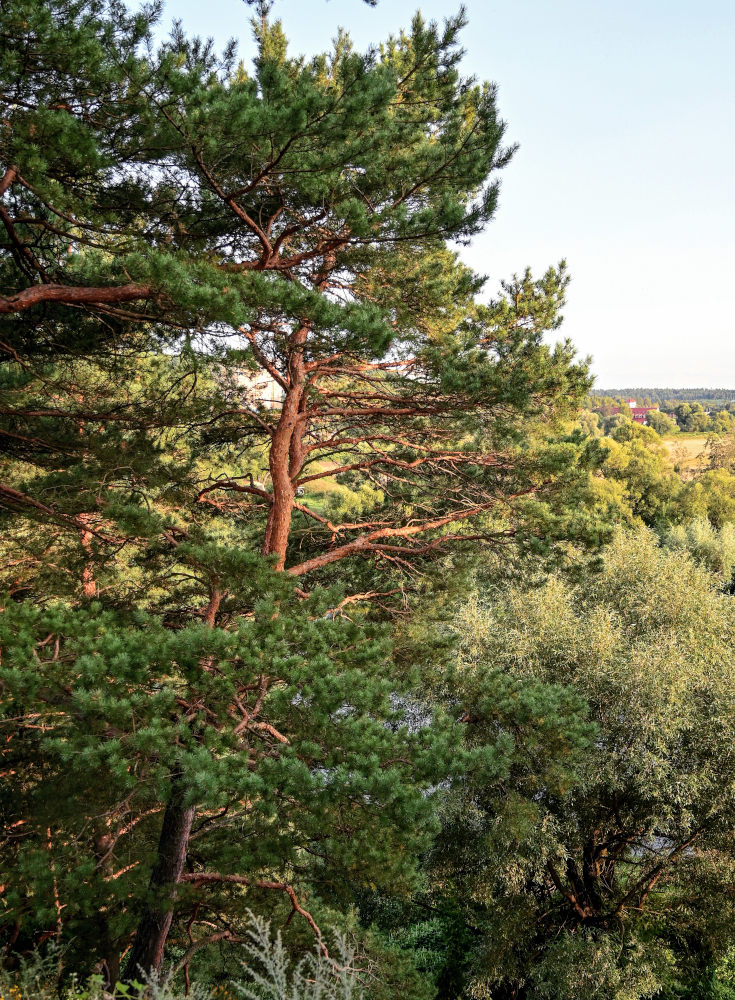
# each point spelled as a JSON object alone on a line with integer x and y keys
{"x": 624, "y": 112}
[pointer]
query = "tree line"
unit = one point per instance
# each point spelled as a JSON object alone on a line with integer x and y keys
{"x": 668, "y": 397}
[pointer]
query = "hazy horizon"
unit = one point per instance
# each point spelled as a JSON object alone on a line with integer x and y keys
{"x": 608, "y": 391}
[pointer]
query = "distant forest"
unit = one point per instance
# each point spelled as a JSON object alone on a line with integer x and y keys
{"x": 660, "y": 396}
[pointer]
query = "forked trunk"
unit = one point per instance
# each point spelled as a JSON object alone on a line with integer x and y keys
{"x": 285, "y": 459}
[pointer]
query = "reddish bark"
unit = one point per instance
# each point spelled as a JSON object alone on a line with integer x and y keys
{"x": 7, "y": 179}
{"x": 206, "y": 878}
{"x": 287, "y": 455}
{"x": 72, "y": 295}
{"x": 89, "y": 584}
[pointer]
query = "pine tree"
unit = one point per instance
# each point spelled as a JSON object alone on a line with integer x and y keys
{"x": 267, "y": 756}
{"x": 236, "y": 736}
{"x": 332, "y": 188}
{"x": 70, "y": 75}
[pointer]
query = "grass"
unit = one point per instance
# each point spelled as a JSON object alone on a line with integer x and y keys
{"x": 688, "y": 451}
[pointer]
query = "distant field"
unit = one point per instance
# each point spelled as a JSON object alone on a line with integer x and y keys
{"x": 689, "y": 452}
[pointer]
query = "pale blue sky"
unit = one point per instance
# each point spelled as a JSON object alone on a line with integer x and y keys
{"x": 625, "y": 115}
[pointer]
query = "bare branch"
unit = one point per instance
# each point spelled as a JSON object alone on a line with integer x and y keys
{"x": 72, "y": 295}
{"x": 206, "y": 878}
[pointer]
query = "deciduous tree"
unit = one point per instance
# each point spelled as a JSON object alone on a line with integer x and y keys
{"x": 611, "y": 871}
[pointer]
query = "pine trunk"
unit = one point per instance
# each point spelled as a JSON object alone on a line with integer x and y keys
{"x": 146, "y": 955}
{"x": 286, "y": 457}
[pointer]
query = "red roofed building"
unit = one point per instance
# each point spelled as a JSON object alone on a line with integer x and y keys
{"x": 639, "y": 413}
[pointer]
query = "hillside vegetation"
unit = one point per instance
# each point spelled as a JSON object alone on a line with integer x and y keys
{"x": 348, "y": 647}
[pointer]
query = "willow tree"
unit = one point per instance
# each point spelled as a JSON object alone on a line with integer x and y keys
{"x": 601, "y": 867}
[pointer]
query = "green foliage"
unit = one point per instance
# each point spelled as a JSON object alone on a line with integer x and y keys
{"x": 713, "y": 547}
{"x": 590, "y": 422}
{"x": 638, "y": 462}
{"x": 694, "y": 411}
{"x": 661, "y": 423}
{"x": 270, "y": 974}
{"x": 319, "y": 766}
{"x": 722, "y": 451}
{"x": 668, "y": 397}
{"x": 69, "y": 150}
{"x": 204, "y": 714}
{"x": 582, "y": 867}
{"x": 711, "y": 496}
{"x": 692, "y": 417}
